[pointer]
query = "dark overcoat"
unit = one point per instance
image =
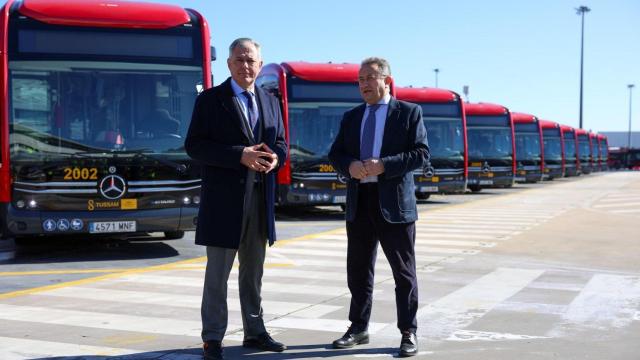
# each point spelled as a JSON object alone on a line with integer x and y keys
{"x": 217, "y": 135}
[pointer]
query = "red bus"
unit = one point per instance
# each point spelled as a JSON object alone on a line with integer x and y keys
{"x": 491, "y": 146}
{"x": 595, "y": 151}
{"x": 95, "y": 108}
{"x": 443, "y": 114}
{"x": 529, "y": 147}
{"x": 571, "y": 161}
{"x": 553, "y": 143}
{"x": 584, "y": 151}
{"x": 604, "y": 152}
{"x": 314, "y": 97}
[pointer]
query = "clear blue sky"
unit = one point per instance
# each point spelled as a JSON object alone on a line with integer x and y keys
{"x": 521, "y": 54}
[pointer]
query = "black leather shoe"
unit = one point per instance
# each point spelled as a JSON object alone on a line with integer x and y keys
{"x": 264, "y": 342}
{"x": 212, "y": 350}
{"x": 351, "y": 338}
{"x": 409, "y": 344}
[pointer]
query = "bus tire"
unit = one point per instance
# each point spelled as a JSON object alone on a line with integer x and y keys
{"x": 173, "y": 235}
{"x": 7, "y": 249}
{"x": 423, "y": 196}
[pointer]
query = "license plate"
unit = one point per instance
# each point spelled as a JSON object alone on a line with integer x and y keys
{"x": 428, "y": 189}
{"x": 112, "y": 226}
{"x": 520, "y": 179}
{"x": 486, "y": 182}
{"x": 339, "y": 199}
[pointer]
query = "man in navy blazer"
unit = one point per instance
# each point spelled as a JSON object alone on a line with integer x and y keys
{"x": 378, "y": 146}
{"x": 237, "y": 136}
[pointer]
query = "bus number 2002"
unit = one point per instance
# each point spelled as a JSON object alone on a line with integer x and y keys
{"x": 80, "y": 173}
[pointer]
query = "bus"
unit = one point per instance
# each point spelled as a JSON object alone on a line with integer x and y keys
{"x": 313, "y": 97}
{"x": 553, "y": 150}
{"x": 584, "y": 151}
{"x": 595, "y": 151}
{"x": 95, "y": 109}
{"x": 604, "y": 152}
{"x": 491, "y": 146}
{"x": 571, "y": 161}
{"x": 529, "y": 147}
{"x": 443, "y": 114}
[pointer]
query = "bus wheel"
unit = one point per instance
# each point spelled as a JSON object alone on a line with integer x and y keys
{"x": 173, "y": 235}
{"x": 7, "y": 249}
{"x": 423, "y": 196}
{"x": 475, "y": 188}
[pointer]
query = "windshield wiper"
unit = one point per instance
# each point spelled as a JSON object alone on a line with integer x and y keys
{"x": 148, "y": 154}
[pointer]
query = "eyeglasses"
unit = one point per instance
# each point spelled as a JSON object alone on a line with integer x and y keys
{"x": 363, "y": 79}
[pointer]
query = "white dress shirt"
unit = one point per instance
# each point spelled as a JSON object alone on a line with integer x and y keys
{"x": 381, "y": 119}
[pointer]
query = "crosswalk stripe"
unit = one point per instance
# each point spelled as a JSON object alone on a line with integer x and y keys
{"x": 621, "y": 204}
{"x": 342, "y": 254}
{"x": 419, "y": 241}
{"x": 629, "y": 211}
{"x": 109, "y": 321}
{"x": 189, "y": 301}
{"x": 460, "y": 308}
{"x": 15, "y": 348}
{"x": 606, "y": 301}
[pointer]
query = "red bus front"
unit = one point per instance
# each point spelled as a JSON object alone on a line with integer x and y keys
{"x": 529, "y": 147}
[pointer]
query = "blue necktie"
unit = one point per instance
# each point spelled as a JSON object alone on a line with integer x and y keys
{"x": 252, "y": 111}
{"x": 368, "y": 133}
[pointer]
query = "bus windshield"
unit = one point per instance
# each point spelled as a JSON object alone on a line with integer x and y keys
{"x": 552, "y": 148}
{"x": 444, "y": 136}
{"x": 583, "y": 148}
{"x": 490, "y": 142}
{"x": 312, "y": 128}
{"x": 60, "y": 108}
{"x": 528, "y": 146}
{"x": 570, "y": 149}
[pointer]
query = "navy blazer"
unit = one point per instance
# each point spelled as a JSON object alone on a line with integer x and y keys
{"x": 217, "y": 136}
{"x": 404, "y": 149}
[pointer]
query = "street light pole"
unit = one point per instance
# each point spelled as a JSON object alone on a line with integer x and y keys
{"x": 581, "y": 11}
{"x": 436, "y": 70}
{"x": 630, "y": 86}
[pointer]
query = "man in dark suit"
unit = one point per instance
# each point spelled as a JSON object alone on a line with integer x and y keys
{"x": 237, "y": 136}
{"x": 378, "y": 146}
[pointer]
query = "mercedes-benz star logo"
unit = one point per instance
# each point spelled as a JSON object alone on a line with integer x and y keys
{"x": 342, "y": 178}
{"x": 112, "y": 187}
{"x": 486, "y": 168}
{"x": 429, "y": 171}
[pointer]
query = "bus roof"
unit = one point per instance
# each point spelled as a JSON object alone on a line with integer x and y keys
{"x": 582, "y": 132}
{"x": 522, "y": 118}
{"x": 548, "y": 124}
{"x": 425, "y": 94}
{"x": 100, "y": 13}
{"x": 484, "y": 109}
{"x": 602, "y": 136}
{"x": 567, "y": 128}
{"x": 322, "y": 71}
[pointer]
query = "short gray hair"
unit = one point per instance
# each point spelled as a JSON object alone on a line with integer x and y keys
{"x": 383, "y": 65}
{"x": 241, "y": 41}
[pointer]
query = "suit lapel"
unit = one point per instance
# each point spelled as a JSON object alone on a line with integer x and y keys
{"x": 231, "y": 105}
{"x": 392, "y": 119}
{"x": 358, "y": 113}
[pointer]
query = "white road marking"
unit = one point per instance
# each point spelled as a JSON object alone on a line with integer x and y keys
{"x": 15, "y": 348}
{"x": 622, "y": 204}
{"x": 606, "y": 302}
{"x": 470, "y": 335}
{"x": 463, "y": 306}
{"x": 329, "y": 325}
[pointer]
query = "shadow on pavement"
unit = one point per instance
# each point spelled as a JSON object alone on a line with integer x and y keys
{"x": 60, "y": 250}
{"x": 321, "y": 351}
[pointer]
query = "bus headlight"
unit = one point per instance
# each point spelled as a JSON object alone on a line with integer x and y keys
{"x": 20, "y": 204}
{"x": 33, "y": 204}
{"x": 186, "y": 200}
{"x": 196, "y": 199}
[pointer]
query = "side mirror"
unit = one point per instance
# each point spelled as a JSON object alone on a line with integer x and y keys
{"x": 214, "y": 57}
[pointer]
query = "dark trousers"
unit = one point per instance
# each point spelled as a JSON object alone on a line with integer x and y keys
{"x": 251, "y": 255}
{"x": 397, "y": 240}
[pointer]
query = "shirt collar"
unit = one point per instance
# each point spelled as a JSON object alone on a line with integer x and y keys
{"x": 384, "y": 101}
{"x": 238, "y": 90}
